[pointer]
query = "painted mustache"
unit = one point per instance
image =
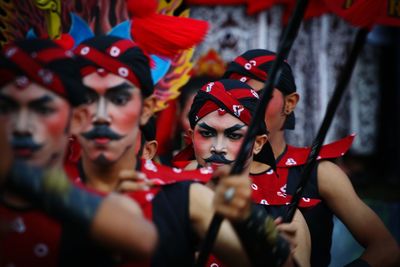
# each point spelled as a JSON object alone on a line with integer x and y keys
{"x": 218, "y": 158}
{"x": 101, "y": 131}
{"x": 25, "y": 142}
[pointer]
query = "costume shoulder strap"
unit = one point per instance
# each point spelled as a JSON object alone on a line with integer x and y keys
{"x": 296, "y": 156}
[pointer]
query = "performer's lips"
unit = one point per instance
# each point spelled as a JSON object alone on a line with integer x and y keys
{"x": 216, "y": 165}
{"x": 102, "y": 135}
{"x": 218, "y": 160}
{"x": 23, "y": 152}
{"x": 24, "y": 147}
{"x": 102, "y": 140}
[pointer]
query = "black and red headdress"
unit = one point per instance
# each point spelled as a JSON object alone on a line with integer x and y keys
{"x": 118, "y": 56}
{"x": 227, "y": 96}
{"x": 257, "y": 64}
{"x": 45, "y": 63}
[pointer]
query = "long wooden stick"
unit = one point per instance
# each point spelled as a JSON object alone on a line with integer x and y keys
{"x": 286, "y": 43}
{"x": 341, "y": 86}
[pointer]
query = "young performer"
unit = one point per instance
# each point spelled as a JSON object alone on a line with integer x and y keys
{"x": 219, "y": 118}
{"x": 118, "y": 76}
{"x": 40, "y": 93}
{"x": 329, "y": 190}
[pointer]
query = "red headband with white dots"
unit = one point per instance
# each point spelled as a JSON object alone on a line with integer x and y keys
{"x": 108, "y": 61}
{"x": 227, "y": 101}
{"x": 32, "y": 67}
{"x": 252, "y": 67}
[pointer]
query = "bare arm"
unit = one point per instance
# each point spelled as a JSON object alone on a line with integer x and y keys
{"x": 120, "y": 226}
{"x": 227, "y": 246}
{"x": 115, "y": 221}
{"x": 298, "y": 235}
{"x": 336, "y": 189}
{"x": 249, "y": 231}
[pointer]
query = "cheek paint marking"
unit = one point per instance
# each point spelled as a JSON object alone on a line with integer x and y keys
{"x": 56, "y": 123}
{"x": 125, "y": 119}
{"x": 275, "y": 107}
{"x": 233, "y": 148}
{"x": 201, "y": 145}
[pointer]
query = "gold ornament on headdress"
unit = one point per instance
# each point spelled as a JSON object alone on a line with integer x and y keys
{"x": 8, "y": 29}
{"x": 209, "y": 64}
{"x": 52, "y": 16}
{"x": 179, "y": 74}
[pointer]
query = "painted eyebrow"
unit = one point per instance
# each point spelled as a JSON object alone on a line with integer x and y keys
{"x": 207, "y": 127}
{"x": 119, "y": 88}
{"x": 226, "y": 131}
{"x": 114, "y": 89}
{"x": 8, "y": 99}
{"x": 234, "y": 128}
{"x": 41, "y": 101}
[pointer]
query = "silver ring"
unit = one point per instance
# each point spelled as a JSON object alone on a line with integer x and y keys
{"x": 229, "y": 194}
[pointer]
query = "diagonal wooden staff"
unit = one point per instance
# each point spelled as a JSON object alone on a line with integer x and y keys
{"x": 285, "y": 45}
{"x": 341, "y": 85}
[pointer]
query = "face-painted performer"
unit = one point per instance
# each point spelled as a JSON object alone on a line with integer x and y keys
{"x": 219, "y": 120}
{"x": 40, "y": 91}
{"x": 118, "y": 100}
{"x": 329, "y": 191}
{"x": 118, "y": 75}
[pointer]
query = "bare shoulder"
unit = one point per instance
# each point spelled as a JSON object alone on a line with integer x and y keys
{"x": 201, "y": 191}
{"x": 123, "y": 202}
{"x": 333, "y": 181}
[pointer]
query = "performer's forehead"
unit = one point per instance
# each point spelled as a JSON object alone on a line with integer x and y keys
{"x": 120, "y": 57}
{"x": 32, "y": 92}
{"x": 101, "y": 84}
{"x": 42, "y": 62}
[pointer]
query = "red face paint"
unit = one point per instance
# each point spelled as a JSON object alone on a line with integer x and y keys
{"x": 114, "y": 104}
{"x": 36, "y": 121}
{"x": 220, "y": 135}
{"x": 274, "y": 116}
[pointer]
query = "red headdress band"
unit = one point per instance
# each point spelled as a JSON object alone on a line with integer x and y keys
{"x": 30, "y": 65}
{"x": 252, "y": 65}
{"x": 108, "y": 61}
{"x": 229, "y": 99}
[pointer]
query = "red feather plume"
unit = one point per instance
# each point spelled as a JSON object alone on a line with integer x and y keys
{"x": 161, "y": 34}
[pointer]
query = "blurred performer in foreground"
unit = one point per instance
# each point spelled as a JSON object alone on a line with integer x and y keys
{"x": 40, "y": 96}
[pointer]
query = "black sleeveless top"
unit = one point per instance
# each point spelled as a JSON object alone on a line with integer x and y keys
{"x": 170, "y": 214}
{"x": 177, "y": 241}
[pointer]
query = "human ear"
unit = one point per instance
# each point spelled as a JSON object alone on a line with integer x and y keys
{"x": 148, "y": 109}
{"x": 150, "y": 149}
{"x": 260, "y": 141}
{"x": 190, "y": 133}
{"x": 291, "y": 101}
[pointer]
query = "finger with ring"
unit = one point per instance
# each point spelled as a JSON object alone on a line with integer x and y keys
{"x": 229, "y": 194}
